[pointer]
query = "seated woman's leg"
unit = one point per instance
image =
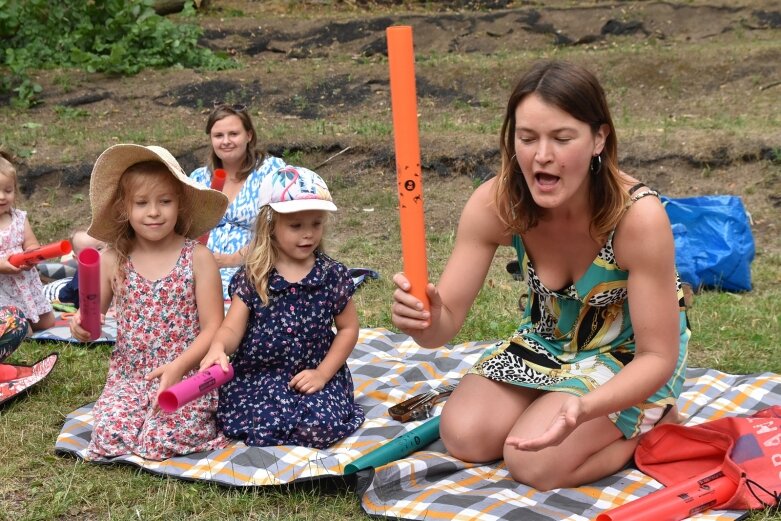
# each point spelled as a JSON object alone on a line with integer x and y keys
{"x": 595, "y": 449}
{"x": 478, "y": 416}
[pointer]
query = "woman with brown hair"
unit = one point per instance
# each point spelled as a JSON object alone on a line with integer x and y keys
{"x": 234, "y": 148}
{"x": 600, "y": 354}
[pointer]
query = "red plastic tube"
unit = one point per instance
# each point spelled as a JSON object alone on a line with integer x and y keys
{"x": 89, "y": 291}
{"x": 217, "y": 182}
{"x": 218, "y": 179}
{"x": 676, "y": 502}
{"x": 49, "y": 251}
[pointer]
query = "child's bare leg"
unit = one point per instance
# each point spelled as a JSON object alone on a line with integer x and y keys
{"x": 45, "y": 321}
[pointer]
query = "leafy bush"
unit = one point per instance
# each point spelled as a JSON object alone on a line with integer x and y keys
{"x": 112, "y": 36}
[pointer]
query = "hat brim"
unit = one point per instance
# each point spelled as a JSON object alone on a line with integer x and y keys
{"x": 303, "y": 205}
{"x": 206, "y": 206}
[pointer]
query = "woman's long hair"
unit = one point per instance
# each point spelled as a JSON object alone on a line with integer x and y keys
{"x": 253, "y": 157}
{"x": 575, "y": 90}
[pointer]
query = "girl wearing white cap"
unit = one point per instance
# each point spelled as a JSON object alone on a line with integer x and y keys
{"x": 291, "y": 384}
{"x": 168, "y": 297}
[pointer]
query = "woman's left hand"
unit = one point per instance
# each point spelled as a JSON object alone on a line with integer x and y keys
{"x": 570, "y": 415}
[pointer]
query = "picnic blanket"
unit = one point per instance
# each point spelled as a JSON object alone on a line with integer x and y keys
{"x": 388, "y": 368}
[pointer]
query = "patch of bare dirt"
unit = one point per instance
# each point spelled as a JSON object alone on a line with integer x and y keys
{"x": 326, "y": 66}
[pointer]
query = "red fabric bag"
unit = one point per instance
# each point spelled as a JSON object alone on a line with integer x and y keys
{"x": 747, "y": 449}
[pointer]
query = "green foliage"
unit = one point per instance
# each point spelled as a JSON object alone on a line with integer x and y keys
{"x": 112, "y": 36}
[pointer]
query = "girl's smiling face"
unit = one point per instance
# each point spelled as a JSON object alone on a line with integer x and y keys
{"x": 554, "y": 151}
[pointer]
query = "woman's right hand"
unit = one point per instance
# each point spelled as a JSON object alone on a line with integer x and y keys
{"x": 407, "y": 311}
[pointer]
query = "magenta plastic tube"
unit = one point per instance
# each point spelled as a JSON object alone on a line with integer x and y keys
{"x": 194, "y": 387}
{"x": 89, "y": 291}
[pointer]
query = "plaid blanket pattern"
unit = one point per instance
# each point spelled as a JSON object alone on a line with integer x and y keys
{"x": 388, "y": 368}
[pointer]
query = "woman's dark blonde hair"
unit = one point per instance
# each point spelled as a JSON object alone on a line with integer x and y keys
{"x": 575, "y": 90}
{"x": 263, "y": 252}
{"x": 137, "y": 176}
{"x": 253, "y": 156}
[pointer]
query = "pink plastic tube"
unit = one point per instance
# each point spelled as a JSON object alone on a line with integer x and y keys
{"x": 194, "y": 387}
{"x": 89, "y": 291}
{"x": 49, "y": 251}
{"x": 676, "y": 502}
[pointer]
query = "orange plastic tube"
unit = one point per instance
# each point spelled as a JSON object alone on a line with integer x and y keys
{"x": 709, "y": 490}
{"x": 49, "y": 251}
{"x": 401, "y": 60}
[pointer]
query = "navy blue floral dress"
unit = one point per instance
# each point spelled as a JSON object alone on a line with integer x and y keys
{"x": 294, "y": 332}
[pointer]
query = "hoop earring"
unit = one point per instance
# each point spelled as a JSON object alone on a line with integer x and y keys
{"x": 596, "y": 164}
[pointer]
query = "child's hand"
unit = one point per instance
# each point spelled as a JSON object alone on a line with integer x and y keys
{"x": 78, "y": 332}
{"x": 308, "y": 381}
{"x": 8, "y": 268}
{"x": 214, "y": 356}
{"x": 167, "y": 374}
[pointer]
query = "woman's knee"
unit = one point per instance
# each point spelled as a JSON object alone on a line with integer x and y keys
{"x": 469, "y": 438}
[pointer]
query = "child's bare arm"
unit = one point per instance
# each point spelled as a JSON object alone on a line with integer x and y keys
{"x": 30, "y": 241}
{"x": 312, "y": 380}
{"x": 208, "y": 299}
{"x": 346, "y": 337}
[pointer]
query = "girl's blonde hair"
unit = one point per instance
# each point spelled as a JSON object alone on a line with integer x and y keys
{"x": 141, "y": 175}
{"x": 7, "y": 169}
{"x": 263, "y": 252}
{"x": 576, "y": 91}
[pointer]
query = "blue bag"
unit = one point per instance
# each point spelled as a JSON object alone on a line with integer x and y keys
{"x": 714, "y": 246}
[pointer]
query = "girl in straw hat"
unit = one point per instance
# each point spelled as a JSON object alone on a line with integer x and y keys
{"x": 291, "y": 384}
{"x": 168, "y": 297}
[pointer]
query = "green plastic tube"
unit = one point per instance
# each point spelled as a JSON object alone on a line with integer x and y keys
{"x": 397, "y": 448}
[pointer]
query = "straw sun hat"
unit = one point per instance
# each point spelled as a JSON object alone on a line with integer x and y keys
{"x": 207, "y": 205}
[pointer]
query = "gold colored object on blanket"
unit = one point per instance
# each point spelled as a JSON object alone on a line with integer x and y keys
{"x": 419, "y": 406}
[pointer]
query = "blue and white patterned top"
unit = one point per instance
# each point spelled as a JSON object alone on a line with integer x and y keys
{"x": 234, "y": 230}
